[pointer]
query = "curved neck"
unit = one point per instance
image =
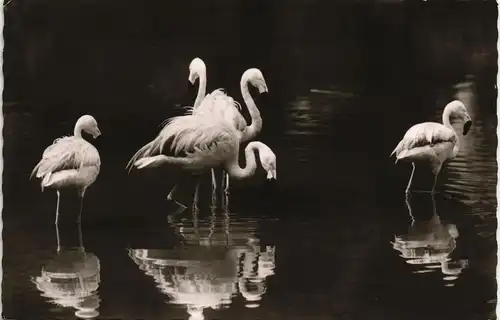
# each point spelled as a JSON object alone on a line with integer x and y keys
{"x": 447, "y": 123}
{"x": 202, "y": 89}
{"x": 251, "y": 130}
{"x": 233, "y": 168}
{"x": 446, "y": 118}
{"x": 77, "y": 132}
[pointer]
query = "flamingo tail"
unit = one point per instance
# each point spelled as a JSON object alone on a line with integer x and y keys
{"x": 158, "y": 160}
{"x": 145, "y": 151}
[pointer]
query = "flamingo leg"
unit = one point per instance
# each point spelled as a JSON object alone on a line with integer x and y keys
{"x": 226, "y": 176}
{"x": 196, "y": 194}
{"x": 170, "y": 198}
{"x": 214, "y": 188}
{"x": 411, "y": 178}
{"x": 57, "y": 209}
{"x": 58, "y": 238}
{"x": 79, "y": 219}
{"x": 225, "y": 203}
{"x": 80, "y": 236}
{"x": 171, "y": 193}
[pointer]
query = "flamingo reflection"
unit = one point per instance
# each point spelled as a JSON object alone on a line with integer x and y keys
{"x": 218, "y": 258}
{"x": 429, "y": 243}
{"x": 71, "y": 277}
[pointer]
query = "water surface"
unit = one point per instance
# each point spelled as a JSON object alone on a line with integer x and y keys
{"x": 332, "y": 238}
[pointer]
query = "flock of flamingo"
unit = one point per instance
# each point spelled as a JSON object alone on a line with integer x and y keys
{"x": 209, "y": 135}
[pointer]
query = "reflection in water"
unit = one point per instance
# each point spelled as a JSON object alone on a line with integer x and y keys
{"x": 218, "y": 257}
{"x": 71, "y": 278}
{"x": 429, "y": 243}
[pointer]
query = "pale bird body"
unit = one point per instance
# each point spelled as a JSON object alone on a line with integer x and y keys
{"x": 70, "y": 162}
{"x": 226, "y": 107}
{"x": 433, "y": 143}
{"x": 198, "y": 143}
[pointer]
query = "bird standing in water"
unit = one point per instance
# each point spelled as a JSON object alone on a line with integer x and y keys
{"x": 433, "y": 143}
{"x": 207, "y": 142}
{"x": 226, "y": 107}
{"x": 71, "y": 162}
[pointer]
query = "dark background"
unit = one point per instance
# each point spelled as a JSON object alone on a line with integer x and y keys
{"x": 386, "y": 64}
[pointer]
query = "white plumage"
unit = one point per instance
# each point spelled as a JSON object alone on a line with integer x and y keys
{"x": 433, "y": 143}
{"x": 70, "y": 162}
{"x": 206, "y": 142}
{"x": 226, "y": 107}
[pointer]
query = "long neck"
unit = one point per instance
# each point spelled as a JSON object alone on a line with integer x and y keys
{"x": 251, "y": 130}
{"x": 446, "y": 118}
{"x": 447, "y": 123}
{"x": 202, "y": 89}
{"x": 233, "y": 168}
{"x": 77, "y": 132}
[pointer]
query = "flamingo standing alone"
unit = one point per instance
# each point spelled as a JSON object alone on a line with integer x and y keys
{"x": 433, "y": 143}
{"x": 226, "y": 107}
{"x": 71, "y": 162}
{"x": 208, "y": 142}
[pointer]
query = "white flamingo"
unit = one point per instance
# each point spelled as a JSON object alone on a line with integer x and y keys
{"x": 71, "y": 162}
{"x": 208, "y": 142}
{"x": 226, "y": 107}
{"x": 433, "y": 143}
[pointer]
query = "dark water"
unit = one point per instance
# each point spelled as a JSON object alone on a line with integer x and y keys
{"x": 332, "y": 238}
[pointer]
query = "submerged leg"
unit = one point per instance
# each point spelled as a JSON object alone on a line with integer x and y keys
{"x": 57, "y": 209}
{"x": 411, "y": 178}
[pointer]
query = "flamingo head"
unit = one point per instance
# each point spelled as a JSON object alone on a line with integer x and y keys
{"x": 268, "y": 161}
{"x": 89, "y": 125}
{"x": 255, "y": 77}
{"x": 196, "y": 68}
{"x": 458, "y": 110}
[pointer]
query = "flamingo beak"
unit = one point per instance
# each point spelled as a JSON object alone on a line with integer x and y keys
{"x": 97, "y": 133}
{"x": 271, "y": 175}
{"x": 192, "y": 77}
{"x": 263, "y": 88}
{"x": 467, "y": 125}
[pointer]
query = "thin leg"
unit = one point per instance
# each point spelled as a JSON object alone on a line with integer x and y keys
{"x": 57, "y": 208}
{"x": 225, "y": 203}
{"x": 58, "y": 239}
{"x": 411, "y": 178}
{"x": 171, "y": 193}
{"x": 434, "y": 185}
{"x": 214, "y": 182}
{"x": 80, "y": 237}
{"x": 226, "y": 176}
{"x": 214, "y": 188}
{"x": 170, "y": 198}
{"x": 79, "y": 219}
{"x": 196, "y": 194}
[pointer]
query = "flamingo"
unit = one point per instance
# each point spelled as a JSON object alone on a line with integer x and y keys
{"x": 71, "y": 162}
{"x": 226, "y": 107}
{"x": 208, "y": 142}
{"x": 433, "y": 143}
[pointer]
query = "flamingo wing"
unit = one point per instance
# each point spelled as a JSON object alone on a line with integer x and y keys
{"x": 423, "y": 135}
{"x": 219, "y": 104}
{"x": 199, "y": 136}
{"x": 67, "y": 153}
